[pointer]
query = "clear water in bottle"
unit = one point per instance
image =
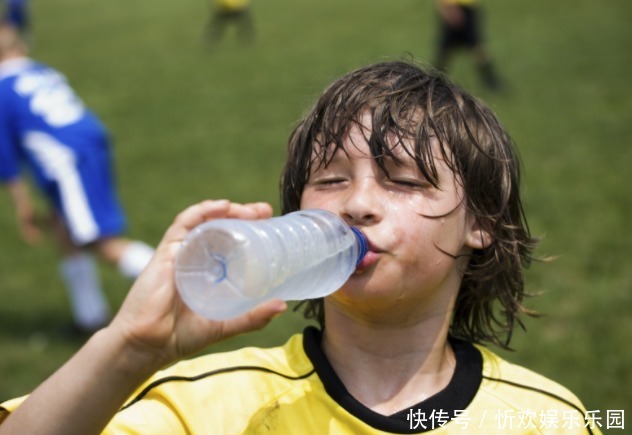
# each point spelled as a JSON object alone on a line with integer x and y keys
{"x": 226, "y": 267}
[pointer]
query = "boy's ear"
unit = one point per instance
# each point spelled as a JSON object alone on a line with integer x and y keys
{"x": 477, "y": 237}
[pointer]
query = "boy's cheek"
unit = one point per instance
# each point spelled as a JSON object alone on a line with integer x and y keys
{"x": 311, "y": 199}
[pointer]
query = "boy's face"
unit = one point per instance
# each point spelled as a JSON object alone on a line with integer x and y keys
{"x": 411, "y": 227}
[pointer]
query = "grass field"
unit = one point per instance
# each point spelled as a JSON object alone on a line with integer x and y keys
{"x": 192, "y": 121}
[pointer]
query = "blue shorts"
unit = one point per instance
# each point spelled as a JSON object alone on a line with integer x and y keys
{"x": 80, "y": 184}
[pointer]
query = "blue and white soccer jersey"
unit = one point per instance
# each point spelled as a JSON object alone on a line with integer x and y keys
{"x": 46, "y": 127}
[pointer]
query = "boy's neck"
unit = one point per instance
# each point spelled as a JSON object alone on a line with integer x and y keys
{"x": 363, "y": 355}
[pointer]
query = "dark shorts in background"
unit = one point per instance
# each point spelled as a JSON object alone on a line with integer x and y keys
{"x": 466, "y": 35}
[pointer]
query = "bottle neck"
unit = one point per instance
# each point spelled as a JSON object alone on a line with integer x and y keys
{"x": 363, "y": 245}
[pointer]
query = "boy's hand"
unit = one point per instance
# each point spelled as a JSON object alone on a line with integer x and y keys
{"x": 153, "y": 328}
{"x": 156, "y": 322}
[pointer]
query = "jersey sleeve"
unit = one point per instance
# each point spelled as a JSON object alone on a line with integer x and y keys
{"x": 9, "y": 139}
{"x": 9, "y": 406}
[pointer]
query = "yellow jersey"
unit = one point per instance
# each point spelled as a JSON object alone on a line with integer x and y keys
{"x": 292, "y": 389}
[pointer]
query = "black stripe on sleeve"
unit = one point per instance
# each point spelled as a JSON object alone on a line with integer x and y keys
{"x": 166, "y": 379}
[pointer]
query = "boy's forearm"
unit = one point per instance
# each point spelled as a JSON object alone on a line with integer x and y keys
{"x": 152, "y": 328}
{"x": 84, "y": 394}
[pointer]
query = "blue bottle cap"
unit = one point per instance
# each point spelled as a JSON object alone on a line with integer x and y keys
{"x": 363, "y": 245}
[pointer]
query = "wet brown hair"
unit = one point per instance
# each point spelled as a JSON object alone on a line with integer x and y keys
{"x": 410, "y": 101}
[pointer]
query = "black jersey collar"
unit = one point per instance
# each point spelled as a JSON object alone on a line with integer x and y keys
{"x": 437, "y": 409}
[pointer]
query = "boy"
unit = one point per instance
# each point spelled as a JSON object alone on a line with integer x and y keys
{"x": 431, "y": 178}
{"x": 45, "y": 127}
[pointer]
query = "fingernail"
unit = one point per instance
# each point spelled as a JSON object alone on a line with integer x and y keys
{"x": 280, "y": 306}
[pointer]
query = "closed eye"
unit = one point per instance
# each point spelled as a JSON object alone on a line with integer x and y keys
{"x": 328, "y": 181}
{"x": 412, "y": 183}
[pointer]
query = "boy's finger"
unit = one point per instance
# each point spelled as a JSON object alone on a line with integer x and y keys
{"x": 193, "y": 216}
{"x": 264, "y": 210}
{"x": 255, "y": 210}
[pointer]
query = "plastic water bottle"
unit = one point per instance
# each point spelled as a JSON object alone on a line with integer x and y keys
{"x": 226, "y": 267}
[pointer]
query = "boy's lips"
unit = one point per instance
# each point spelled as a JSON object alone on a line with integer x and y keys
{"x": 370, "y": 258}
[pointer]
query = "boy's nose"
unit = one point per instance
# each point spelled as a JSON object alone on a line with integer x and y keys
{"x": 361, "y": 204}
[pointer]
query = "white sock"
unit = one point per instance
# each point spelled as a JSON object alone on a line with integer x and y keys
{"x": 89, "y": 306}
{"x": 135, "y": 258}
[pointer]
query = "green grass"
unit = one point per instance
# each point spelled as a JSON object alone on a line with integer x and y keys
{"x": 191, "y": 122}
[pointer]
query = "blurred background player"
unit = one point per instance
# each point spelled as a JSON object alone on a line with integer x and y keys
{"x": 230, "y": 13}
{"x": 45, "y": 127}
{"x": 460, "y": 27}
